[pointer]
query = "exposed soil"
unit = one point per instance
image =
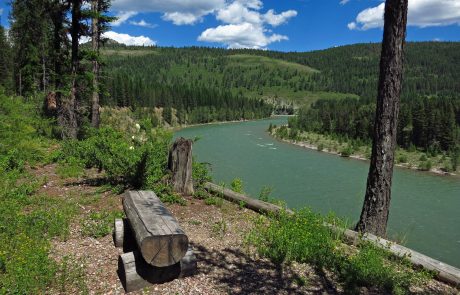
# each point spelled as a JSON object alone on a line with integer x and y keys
{"x": 225, "y": 264}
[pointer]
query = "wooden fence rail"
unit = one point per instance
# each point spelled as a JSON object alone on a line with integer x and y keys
{"x": 444, "y": 272}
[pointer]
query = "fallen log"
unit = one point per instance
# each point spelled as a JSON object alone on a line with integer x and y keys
{"x": 253, "y": 204}
{"x": 160, "y": 239}
{"x": 136, "y": 274}
{"x": 444, "y": 272}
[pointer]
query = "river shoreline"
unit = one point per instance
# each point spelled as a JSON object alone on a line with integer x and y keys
{"x": 360, "y": 157}
{"x": 178, "y": 128}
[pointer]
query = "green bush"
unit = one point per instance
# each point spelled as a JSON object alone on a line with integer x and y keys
{"x": 200, "y": 174}
{"x": 320, "y": 147}
{"x": 125, "y": 160}
{"x": 425, "y": 165}
{"x": 237, "y": 185}
{"x": 264, "y": 194}
{"x": 346, "y": 151}
{"x": 402, "y": 158}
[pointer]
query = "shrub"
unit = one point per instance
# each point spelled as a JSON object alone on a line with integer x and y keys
{"x": 125, "y": 160}
{"x": 425, "y": 166}
{"x": 265, "y": 192}
{"x": 237, "y": 185}
{"x": 200, "y": 174}
{"x": 346, "y": 151}
{"x": 402, "y": 158}
{"x": 320, "y": 147}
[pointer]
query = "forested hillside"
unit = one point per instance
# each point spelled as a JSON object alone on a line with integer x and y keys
{"x": 337, "y": 86}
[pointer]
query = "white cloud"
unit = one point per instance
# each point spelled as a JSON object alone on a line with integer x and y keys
{"x": 238, "y": 12}
{"x": 122, "y": 17}
{"x": 422, "y": 13}
{"x": 182, "y": 18}
{"x": 178, "y": 11}
{"x": 245, "y": 26}
{"x": 278, "y": 19}
{"x": 351, "y": 26}
{"x": 128, "y": 39}
{"x": 245, "y": 35}
{"x": 343, "y": 2}
{"x": 143, "y": 23}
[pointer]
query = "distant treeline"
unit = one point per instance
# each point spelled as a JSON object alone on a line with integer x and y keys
{"x": 428, "y": 123}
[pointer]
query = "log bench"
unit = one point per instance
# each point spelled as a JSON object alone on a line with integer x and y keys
{"x": 156, "y": 248}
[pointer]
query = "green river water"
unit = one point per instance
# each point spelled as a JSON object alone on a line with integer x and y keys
{"x": 424, "y": 208}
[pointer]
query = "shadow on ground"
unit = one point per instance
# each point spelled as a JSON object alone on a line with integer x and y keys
{"x": 240, "y": 274}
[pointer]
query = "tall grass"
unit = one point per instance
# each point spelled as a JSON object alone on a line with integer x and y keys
{"x": 28, "y": 221}
{"x": 303, "y": 238}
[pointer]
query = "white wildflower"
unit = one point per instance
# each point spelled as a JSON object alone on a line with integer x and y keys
{"x": 132, "y": 137}
{"x": 138, "y": 127}
{"x": 131, "y": 148}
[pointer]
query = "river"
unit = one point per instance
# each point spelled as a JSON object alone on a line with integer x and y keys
{"x": 424, "y": 211}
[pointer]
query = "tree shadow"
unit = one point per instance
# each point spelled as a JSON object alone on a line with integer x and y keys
{"x": 241, "y": 274}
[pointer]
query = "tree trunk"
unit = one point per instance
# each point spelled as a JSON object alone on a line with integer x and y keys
{"x": 70, "y": 108}
{"x": 180, "y": 164}
{"x": 95, "y": 114}
{"x": 374, "y": 215}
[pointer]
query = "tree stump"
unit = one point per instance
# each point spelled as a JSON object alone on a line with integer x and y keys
{"x": 180, "y": 164}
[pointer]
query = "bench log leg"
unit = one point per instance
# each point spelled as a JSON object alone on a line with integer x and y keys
{"x": 136, "y": 274}
{"x": 123, "y": 235}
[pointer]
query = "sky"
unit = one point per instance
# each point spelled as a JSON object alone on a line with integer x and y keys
{"x": 283, "y": 25}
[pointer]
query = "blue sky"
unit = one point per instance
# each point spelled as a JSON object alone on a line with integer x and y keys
{"x": 286, "y": 25}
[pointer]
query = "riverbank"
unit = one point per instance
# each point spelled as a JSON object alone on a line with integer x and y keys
{"x": 414, "y": 160}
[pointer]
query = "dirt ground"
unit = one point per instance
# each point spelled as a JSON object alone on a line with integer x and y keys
{"x": 225, "y": 264}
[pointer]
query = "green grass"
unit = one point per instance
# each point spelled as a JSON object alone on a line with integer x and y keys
{"x": 28, "y": 220}
{"x": 303, "y": 238}
{"x": 254, "y": 60}
{"x": 99, "y": 224}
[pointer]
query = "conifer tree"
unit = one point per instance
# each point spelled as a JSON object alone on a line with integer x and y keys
{"x": 5, "y": 60}
{"x": 99, "y": 24}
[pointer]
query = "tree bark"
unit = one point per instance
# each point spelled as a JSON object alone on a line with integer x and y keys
{"x": 375, "y": 211}
{"x": 71, "y": 126}
{"x": 180, "y": 164}
{"x": 95, "y": 113}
